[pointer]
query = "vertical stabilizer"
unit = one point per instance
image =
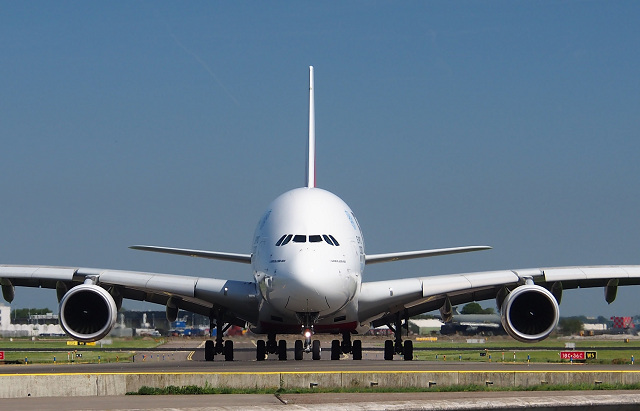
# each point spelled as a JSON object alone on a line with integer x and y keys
{"x": 311, "y": 144}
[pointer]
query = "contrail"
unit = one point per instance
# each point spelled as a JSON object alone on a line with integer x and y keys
{"x": 205, "y": 65}
{"x": 162, "y": 21}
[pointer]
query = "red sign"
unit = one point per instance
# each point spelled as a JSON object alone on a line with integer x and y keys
{"x": 1, "y": 355}
{"x": 573, "y": 355}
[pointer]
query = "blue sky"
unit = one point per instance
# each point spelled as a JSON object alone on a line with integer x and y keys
{"x": 511, "y": 124}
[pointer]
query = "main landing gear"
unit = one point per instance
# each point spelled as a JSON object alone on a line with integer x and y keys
{"x": 307, "y": 319}
{"x": 220, "y": 346}
{"x": 271, "y": 347}
{"x": 346, "y": 347}
{"x": 392, "y": 347}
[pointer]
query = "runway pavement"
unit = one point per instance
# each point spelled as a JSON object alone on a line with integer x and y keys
{"x": 541, "y": 401}
{"x": 187, "y": 356}
{"x": 184, "y": 355}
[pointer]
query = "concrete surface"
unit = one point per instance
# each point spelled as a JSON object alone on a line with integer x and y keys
{"x": 119, "y": 383}
{"x": 541, "y": 401}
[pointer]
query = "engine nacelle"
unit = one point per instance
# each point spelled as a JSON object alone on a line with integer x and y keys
{"x": 87, "y": 312}
{"x": 530, "y": 313}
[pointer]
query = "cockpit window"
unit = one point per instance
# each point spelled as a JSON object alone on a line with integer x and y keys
{"x": 301, "y": 238}
{"x": 284, "y": 240}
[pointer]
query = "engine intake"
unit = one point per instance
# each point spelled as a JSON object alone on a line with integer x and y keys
{"x": 87, "y": 312}
{"x": 530, "y": 313}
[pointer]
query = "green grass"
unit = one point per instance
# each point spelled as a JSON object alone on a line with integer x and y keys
{"x": 548, "y": 351}
{"x": 61, "y": 343}
{"x": 499, "y": 343}
{"x": 538, "y": 356}
{"x": 66, "y": 357}
{"x": 66, "y": 353}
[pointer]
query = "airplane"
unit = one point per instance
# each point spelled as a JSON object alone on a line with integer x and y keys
{"x": 472, "y": 324}
{"x": 308, "y": 259}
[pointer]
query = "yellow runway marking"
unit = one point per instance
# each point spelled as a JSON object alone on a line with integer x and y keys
{"x": 190, "y": 356}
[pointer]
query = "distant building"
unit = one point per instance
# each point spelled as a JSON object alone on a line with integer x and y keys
{"x": 40, "y": 325}
{"x": 623, "y": 325}
{"x": 383, "y": 330}
{"x": 425, "y": 327}
{"x": 5, "y": 317}
{"x": 595, "y": 327}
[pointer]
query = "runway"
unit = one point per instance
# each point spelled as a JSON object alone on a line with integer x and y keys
{"x": 181, "y": 362}
{"x": 187, "y": 356}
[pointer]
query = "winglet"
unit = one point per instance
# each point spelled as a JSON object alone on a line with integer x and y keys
{"x": 311, "y": 144}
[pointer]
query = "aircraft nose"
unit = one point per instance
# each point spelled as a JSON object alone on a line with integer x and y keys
{"x": 314, "y": 284}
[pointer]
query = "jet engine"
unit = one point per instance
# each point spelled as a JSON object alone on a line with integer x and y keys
{"x": 87, "y": 312}
{"x": 530, "y": 313}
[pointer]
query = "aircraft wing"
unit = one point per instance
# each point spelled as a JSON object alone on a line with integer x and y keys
{"x": 407, "y": 255}
{"x": 379, "y": 301}
{"x": 195, "y": 294}
{"x": 214, "y": 255}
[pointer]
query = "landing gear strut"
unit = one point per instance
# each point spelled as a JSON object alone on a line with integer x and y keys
{"x": 346, "y": 347}
{"x": 308, "y": 345}
{"x": 396, "y": 346}
{"x": 272, "y": 346}
{"x": 307, "y": 319}
{"x": 220, "y": 346}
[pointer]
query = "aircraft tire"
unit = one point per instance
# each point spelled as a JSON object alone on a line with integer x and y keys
{"x": 408, "y": 350}
{"x": 336, "y": 350}
{"x": 298, "y": 350}
{"x": 282, "y": 350}
{"x": 356, "y": 350}
{"x": 315, "y": 350}
{"x": 388, "y": 350}
{"x": 228, "y": 350}
{"x": 261, "y": 350}
{"x": 209, "y": 350}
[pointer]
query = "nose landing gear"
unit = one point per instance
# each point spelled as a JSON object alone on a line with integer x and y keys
{"x": 308, "y": 346}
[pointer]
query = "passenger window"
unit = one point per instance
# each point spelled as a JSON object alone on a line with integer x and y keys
{"x": 334, "y": 240}
{"x": 300, "y": 238}
{"x": 279, "y": 243}
{"x": 286, "y": 240}
{"x": 327, "y": 239}
{"x": 315, "y": 239}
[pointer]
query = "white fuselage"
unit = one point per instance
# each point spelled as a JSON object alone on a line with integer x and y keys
{"x": 308, "y": 258}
